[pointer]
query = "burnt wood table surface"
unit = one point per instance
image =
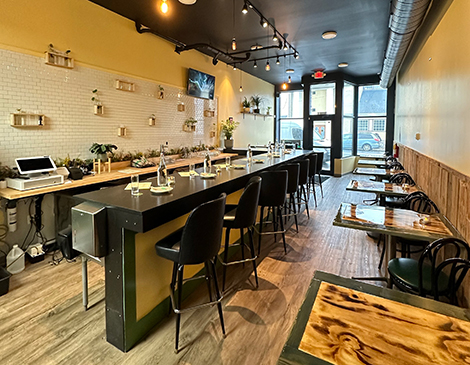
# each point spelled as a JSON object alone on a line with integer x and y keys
{"x": 380, "y": 174}
{"x": 381, "y": 188}
{"x": 375, "y": 163}
{"x": 344, "y": 321}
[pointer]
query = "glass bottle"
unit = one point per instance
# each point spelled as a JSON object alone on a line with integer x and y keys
{"x": 249, "y": 153}
{"x": 162, "y": 173}
{"x": 207, "y": 162}
{"x": 269, "y": 148}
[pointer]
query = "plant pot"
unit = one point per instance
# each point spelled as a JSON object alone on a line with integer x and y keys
{"x": 256, "y": 111}
{"x": 3, "y": 184}
{"x": 102, "y": 156}
{"x": 228, "y": 143}
{"x": 247, "y": 110}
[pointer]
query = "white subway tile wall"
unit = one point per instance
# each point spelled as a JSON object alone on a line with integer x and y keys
{"x": 64, "y": 97}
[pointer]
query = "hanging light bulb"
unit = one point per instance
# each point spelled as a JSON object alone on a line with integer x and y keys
{"x": 296, "y": 55}
{"x": 263, "y": 22}
{"x": 289, "y": 80}
{"x": 284, "y": 86}
{"x": 277, "y": 61}
{"x": 164, "y": 7}
{"x": 267, "y": 68}
{"x": 275, "y": 39}
{"x": 255, "y": 65}
{"x": 234, "y": 44}
{"x": 234, "y": 67}
{"x": 241, "y": 88}
{"x": 245, "y": 9}
{"x": 286, "y": 47}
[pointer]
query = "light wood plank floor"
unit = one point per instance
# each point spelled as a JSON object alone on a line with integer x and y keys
{"x": 42, "y": 320}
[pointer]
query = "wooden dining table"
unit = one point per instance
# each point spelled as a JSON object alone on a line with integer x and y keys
{"x": 346, "y": 322}
{"x": 381, "y": 189}
{"x": 380, "y": 174}
{"x": 393, "y": 223}
{"x": 374, "y": 163}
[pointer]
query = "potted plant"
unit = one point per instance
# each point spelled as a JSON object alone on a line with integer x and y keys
{"x": 268, "y": 110}
{"x": 161, "y": 92}
{"x": 101, "y": 150}
{"x": 228, "y": 126}
{"x": 256, "y": 101}
{"x": 190, "y": 125}
{"x": 98, "y": 108}
{"x": 5, "y": 172}
{"x": 246, "y": 105}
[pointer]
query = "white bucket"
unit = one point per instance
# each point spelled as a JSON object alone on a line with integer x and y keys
{"x": 15, "y": 260}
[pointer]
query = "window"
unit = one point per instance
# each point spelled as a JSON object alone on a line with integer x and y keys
{"x": 362, "y": 125}
{"x": 347, "y": 136}
{"x": 348, "y": 99}
{"x": 322, "y": 99}
{"x": 379, "y": 125}
{"x": 291, "y": 116}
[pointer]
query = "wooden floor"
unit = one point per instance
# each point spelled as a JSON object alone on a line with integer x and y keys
{"x": 42, "y": 319}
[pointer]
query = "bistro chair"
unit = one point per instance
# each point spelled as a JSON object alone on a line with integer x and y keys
{"x": 272, "y": 196}
{"x": 395, "y": 166}
{"x": 431, "y": 275}
{"x": 400, "y": 178}
{"x": 198, "y": 242}
{"x": 390, "y": 159}
{"x": 303, "y": 185}
{"x": 242, "y": 216}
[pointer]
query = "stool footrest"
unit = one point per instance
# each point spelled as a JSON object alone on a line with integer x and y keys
{"x": 236, "y": 262}
{"x": 179, "y": 311}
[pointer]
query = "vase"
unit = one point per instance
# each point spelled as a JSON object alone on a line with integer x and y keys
{"x": 228, "y": 143}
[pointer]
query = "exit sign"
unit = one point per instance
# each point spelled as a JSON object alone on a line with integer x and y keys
{"x": 318, "y": 74}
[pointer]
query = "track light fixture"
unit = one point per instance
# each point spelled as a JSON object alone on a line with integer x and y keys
{"x": 255, "y": 65}
{"x": 234, "y": 44}
{"x": 234, "y": 67}
{"x": 296, "y": 55}
{"x": 263, "y": 22}
{"x": 286, "y": 47}
{"x": 289, "y": 80}
{"x": 164, "y": 7}
{"x": 284, "y": 86}
{"x": 245, "y": 9}
{"x": 268, "y": 67}
{"x": 275, "y": 38}
{"x": 277, "y": 61}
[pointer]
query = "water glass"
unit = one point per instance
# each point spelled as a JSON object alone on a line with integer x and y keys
{"x": 227, "y": 162}
{"x": 192, "y": 170}
{"x": 135, "y": 185}
{"x": 171, "y": 180}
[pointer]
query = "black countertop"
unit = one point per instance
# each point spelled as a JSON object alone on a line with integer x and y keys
{"x": 150, "y": 210}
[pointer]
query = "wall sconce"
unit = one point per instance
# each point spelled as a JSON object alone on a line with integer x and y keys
{"x": 122, "y": 131}
{"x": 181, "y": 107}
{"x": 152, "y": 120}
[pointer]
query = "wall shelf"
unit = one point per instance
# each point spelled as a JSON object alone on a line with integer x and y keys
{"x": 58, "y": 59}
{"x": 258, "y": 114}
{"x": 27, "y": 120}
{"x": 124, "y": 85}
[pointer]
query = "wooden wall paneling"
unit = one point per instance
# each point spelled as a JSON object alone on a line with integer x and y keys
{"x": 453, "y": 199}
{"x": 443, "y": 188}
{"x": 463, "y": 218}
{"x": 435, "y": 183}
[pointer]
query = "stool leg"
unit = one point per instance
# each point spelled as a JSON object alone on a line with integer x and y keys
{"x": 295, "y": 212}
{"x": 314, "y": 191}
{"x": 178, "y": 305}
{"x": 252, "y": 249}
{"x": 208, "y": 280}
{"x": 242, "y": 244}
{"x": 306, "y": 202}
{"x": 217, "y": 295}
{"x": 173, "y": 283}
{"x": 282, "y": 229}
{"x": 260, "y": 229}
{"x": 85, "y": 282}
{"x": 224, "y": 270}
{"x": 275, "y": 218}
{"x": 321, "y": 187}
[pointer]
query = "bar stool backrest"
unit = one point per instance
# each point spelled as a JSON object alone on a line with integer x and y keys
{"x": 293, "y": 172}
{"x": 304, "y": 170}
{"x": 273, "y": 188}
{"x": 313, "y": 158}
{"x": 319, "y": 165}
{"x": 202, "y": 233}
{"x": 248, "y": 203}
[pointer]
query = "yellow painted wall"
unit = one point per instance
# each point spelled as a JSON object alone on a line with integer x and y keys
{"x": 102, "y": 39}
{"x": 433, "y": 96}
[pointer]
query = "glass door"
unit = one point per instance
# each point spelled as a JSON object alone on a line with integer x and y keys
{"x": 322, "y": 106}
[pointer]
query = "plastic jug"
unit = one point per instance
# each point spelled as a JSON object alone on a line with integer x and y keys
{"x": 15, "y": 260}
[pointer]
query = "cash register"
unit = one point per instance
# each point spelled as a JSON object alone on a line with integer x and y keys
{"x": 35, "y": 172}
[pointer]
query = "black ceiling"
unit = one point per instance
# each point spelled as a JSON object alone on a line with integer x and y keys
{"x": 362, "y": 27}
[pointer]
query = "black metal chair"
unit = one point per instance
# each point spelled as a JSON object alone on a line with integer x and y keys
{"x": 293, "y": 173}
{"x": 313, "y": 158}
{"x": 303, "y": 185}
{"x": 402, "y": 178}
{"x": 242, "y": 216}
{"x": 395, "y": 166}
{"x": 196, "y": 243}
{"x": 273, "y": 196}
{"x": 426, "y": 276}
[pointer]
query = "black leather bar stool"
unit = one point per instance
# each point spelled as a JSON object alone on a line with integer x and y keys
{"x": 303, "y": 182}
{"x": 319, "y": 167}
{"x": 242, "y": 216}
{"x": 196, "y": 243}
{"x": 313, "y": 157}
{"x": 293, "y": 172}
{"x": 273, "y": 195}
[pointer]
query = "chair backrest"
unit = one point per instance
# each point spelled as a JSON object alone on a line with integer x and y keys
{"x": 458, "y": 270}
{"x": 420, "y": 202}
{"x": 390, "y": 159}
{"x": 304, "y": 170}
{"x": 319, "y": 165}
{"x": 432, "y": 253}
{"x": 273, "y": 188}
{"x": 402, "y": 178}
{"x": 247, "y": 208}
{"x": 395, "y": 166}
{"x": 202, "y": 233}
{"x": 313, "y": 158}
{"x": 293, "y": 172}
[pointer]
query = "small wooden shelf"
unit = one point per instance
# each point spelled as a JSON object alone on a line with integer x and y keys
{"x": 27, "y": 120}
{"x": 124, "y": 85}
{"x": 58, "y": 59}
{"x": 257, "y": 114}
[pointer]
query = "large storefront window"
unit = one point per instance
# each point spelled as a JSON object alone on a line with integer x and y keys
{"x": 291, "y": 116}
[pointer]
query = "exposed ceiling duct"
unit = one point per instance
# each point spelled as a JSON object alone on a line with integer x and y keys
{"x": 406, "y": 17}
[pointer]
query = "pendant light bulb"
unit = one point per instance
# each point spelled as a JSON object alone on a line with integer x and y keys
{"x": 289, "y": 80}
{"x": 267, "y": 68}
{"x": 277, "y": 61}
{"x": 234, "y": 44}
{"x": 164, "y": 7}
{"x": 255, "y": 65}
{"x": 275, "y": 39}
{"x": 296, "y": 55}
{"x": 234, "y": 67}
{"x": 245, "y": 9}
{"x": 263, "y": 22}
{"x": 284, "y": 86}
{"x": 286, "y": 47}
{"x": 241, "y": 88}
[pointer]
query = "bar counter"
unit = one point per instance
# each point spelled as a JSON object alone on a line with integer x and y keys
{"x": 136, "y": 279}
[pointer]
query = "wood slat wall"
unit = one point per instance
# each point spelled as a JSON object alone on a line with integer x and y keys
{"x": 448, "y": 188}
